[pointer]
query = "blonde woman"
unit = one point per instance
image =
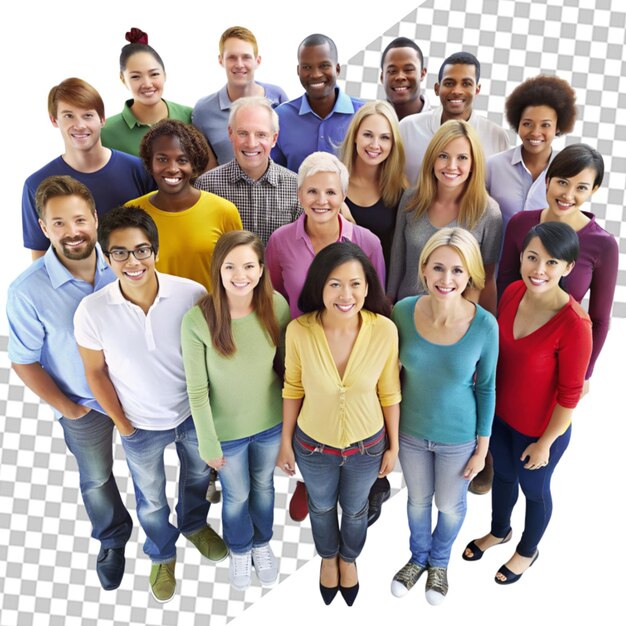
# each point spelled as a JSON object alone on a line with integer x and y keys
{"x": 450, "y": 192}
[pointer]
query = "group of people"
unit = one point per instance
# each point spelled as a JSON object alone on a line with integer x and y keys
{"x": 193, "y": 265}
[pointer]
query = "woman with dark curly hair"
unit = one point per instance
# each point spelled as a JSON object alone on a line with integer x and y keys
{"x": 142, "y": 72}
{"x": 190, "y": 221}
{"x": 539, "y": 109}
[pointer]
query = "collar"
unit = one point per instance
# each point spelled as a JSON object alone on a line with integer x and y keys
{"x": 343, "y": 104}
{"x": 437, "y": 114}
{"x": 60, "y": 275}
{"x": 129, "y": 117}
{"x": 236, "y": 173}
{"x": 115, "y": 295}
{"x": 516, "y": 157}
{"x": 223, "y": 99}
{"x": 346, "y": 228}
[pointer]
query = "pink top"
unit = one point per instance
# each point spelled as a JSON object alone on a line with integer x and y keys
{"x": 543, "y": 368}
{"x": 289, "y": 254}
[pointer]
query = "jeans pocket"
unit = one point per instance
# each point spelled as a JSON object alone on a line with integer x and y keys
{"x": 132, "y": 437}
{"x": 303, "y": 447}
{"x": 377, "y": 449}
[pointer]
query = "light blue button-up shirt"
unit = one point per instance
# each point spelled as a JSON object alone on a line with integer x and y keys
{"x": 40, "y": 306}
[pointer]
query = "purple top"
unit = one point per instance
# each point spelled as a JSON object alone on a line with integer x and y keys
{"x": 595, "y": 270}
{"x": 289, "y": 254}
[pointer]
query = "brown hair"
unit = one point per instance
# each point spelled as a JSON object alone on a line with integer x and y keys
{"x": 77, "y": 92}
{"x": 239, "y": 32}
{"x": 56, "y": 186}
{"x": 214, "y": 306}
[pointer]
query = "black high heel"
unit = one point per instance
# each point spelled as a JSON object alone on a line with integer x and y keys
{"x": 349, "y": 594}
{"x": 328, "y": 593}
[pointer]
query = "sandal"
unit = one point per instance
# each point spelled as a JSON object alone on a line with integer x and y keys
{"x": 477, "y": 553}
{"x": 509, "y": 576}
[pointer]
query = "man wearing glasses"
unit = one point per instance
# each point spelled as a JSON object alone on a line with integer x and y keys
{"x": 129, "y": 339}
{"x": 40, "y": 307}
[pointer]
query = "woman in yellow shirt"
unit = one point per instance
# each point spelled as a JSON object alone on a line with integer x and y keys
{"x": 340, "y": 405}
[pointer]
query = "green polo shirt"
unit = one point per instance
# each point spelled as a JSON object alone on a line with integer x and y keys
{"x": 124, "y": 131}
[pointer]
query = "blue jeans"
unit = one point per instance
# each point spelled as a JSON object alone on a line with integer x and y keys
{"x": 90, "y": 440}
{"x": 434, "y": 469}
{"x": 248, "y": 489}
{"x": 507, "y": 445}
{"x": 333, "y": 478}
{"x": 144, "y": 454}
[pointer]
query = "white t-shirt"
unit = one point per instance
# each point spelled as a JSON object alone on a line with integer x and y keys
{"x": 142, "y": 352}
{"x": 417, "y": 131}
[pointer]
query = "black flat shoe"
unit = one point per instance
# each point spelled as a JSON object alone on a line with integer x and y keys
{"x": 511, "y": 577}
{"x": 328, "y": 593}
{"x": 379, "y": 493}
{"x": 477, "y": 553}
{"x": 110, "y": 567}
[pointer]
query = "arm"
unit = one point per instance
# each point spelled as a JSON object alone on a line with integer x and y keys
{"x": 39, "y": 382}
{"x": 103, "y": 390}
{"x": 36, "y": 254}
{"x": 508, "y": 271}
{"x": 538, "y": 453}
{"x": 487, "y": 297}
{"x": 392, "y": 421}
{"x": 397, "y": 258}
{"x": 272, "y": 264}
{"x": 477, "y": 461}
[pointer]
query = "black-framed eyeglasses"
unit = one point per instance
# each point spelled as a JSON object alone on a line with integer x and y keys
{"x": 121, "y": 254}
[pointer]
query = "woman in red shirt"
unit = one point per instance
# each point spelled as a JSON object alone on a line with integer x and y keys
{"x": 545, "y": 345}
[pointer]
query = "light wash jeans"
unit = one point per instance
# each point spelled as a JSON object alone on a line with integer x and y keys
{"x": 248, "y": 489}
{"x": 434, "y": 469}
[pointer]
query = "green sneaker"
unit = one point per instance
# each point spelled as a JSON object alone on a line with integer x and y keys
{"x": 162, "y": 581}
{"x": 209, "y": 544}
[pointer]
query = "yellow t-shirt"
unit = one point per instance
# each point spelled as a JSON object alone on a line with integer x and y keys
{"x": 338, "y": 412}
{"x": 187, "y": 238}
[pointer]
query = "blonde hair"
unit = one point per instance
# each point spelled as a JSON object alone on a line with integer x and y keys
{"x": 318, "y": 162}
{"x": 239, "y": 32}
{"x": 465, "y": 245}
{"x": 474, "y": 199}
{"x": 393, "y": 182}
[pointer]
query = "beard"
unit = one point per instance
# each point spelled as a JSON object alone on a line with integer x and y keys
{"x": 78, "y": 254}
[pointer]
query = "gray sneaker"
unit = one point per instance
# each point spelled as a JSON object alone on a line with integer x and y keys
{"x": 240, "y": 570}
{"x": 265, "y": 565}
{"x": 406, "y": 578}
{"x": 436, "y": 585}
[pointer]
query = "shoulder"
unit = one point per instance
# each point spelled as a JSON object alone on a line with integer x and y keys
{"x": 207, "y": 198}
{"x": 287, "y": 231}
{"x": 34, "y": 274}
{"x": 525, "y": 220}
{"x": 485, "y": 319}
{"x": 207, "y": 102}
{"x": 281, "y": 309}
{"x": 56, "y": 166}
{"x": 513, "y": 293}
{"x": 179, "y": 112}
{"x": 123, "y": 161}
{"x": 289, "y": 107}
{"x": 381, "y": 325}
{"x": 143, "y": 202}
{"x": 404, "y": 307}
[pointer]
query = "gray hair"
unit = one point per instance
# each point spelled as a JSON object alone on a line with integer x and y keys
{"x": 253, "y": 101}
{"x": 323, "y": 162}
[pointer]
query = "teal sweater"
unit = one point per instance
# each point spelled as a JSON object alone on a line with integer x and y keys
{"x": 237, "y": 396}
{"x": 448, "y": 392}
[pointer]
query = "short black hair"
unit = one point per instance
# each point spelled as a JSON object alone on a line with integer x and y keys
{"x": 192, "y": 142}
{"x": 402, "y": 42}
{"x": 573, "y": 159}
{"x": 543, "y": 90}
{"x": 461, "y": 58}
{"x": 127, "y": 217}
{"x": 559, "y": 239}
{"x": 324, "y": 262}
{"x": 317, "y": 39}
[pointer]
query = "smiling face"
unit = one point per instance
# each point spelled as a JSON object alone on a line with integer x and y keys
{"x": 567, "y": 196}
{"x": 453, "y": 164}
{"x": 80, "y": 128}
{"x": 374, "y": 139}
{"x": 537, "y": 129}
{"x": 71, "y": 226}
{"x": 345, "y": 291}
{"x": 145, "y": 78}
{"x": 253, "y": 138}
{"x": 457, "y": 90}
{"x": 134, "y": 274}
{"x": 170, "y": 166}
{"x": 317, "y": 71}
{"x": 402, "y": 75}
{"x": 241, "y": 272}
{"x": 239, "y": 61}
{"x": 444, "y": 274}
{"x": 540, "y": 271}
{"x": 321, "y": 196}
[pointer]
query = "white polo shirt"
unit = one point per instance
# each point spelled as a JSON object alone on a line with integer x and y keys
{"x": 142, "y": 352}
{"x": 417, "y": 130}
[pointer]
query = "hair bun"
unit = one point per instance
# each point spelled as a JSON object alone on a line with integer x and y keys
{"x": 136, "y": 35}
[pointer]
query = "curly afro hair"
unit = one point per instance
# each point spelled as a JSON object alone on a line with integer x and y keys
{"x": 542, "y": 90}
{"x": 192, "y": 142}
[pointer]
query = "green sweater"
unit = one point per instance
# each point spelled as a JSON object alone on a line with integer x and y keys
{"x": 237, "y": 396}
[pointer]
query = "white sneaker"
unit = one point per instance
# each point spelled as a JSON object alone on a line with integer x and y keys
{"x": 265, "y": 565}
{"x": 240, "y": 570}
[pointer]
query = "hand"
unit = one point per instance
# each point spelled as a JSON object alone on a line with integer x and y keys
{"x": 474, "y": 466}
{"x": 76, "y": 411}
{"x": 538, "y": 456}
{"x": 388, "y": 463}
{"x": 127, "y": 429}
{"x": 216, "y": 464}
{"x": 286, "y": 460}
{"x": 585, "y": 390}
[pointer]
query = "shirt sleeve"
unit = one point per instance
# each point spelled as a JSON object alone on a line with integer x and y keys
{"x": 292, "y": 388}
{"x": 33, "y": 237}
{"x": 601, "y": 292}
{"x": 573, "y": 355}
{"x": 26, "y": 332}
{"x": 194, "y": 348}
{"x": 85, "y": 330}
{"x": 388, "y": 387}
{"x": 492, "y": 235}
{"x": 485, "y": 383}
{"x": 397, "y": 258}
{"x": 508, "y": 271}
{"x": 272, "y": 263}
{"x": 277, "y": 155}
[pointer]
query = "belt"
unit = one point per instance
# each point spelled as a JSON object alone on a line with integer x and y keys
{"x": 356, "y": 448}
